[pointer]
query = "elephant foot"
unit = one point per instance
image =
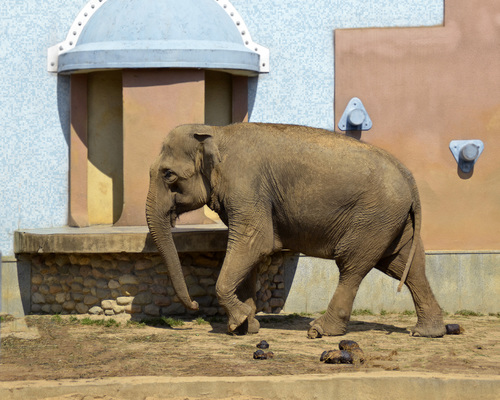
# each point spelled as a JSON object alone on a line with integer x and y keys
{"x": 433, "y": 331}
{"x": 251, "y": 325}
{"x": 239, "y": 317}
{"x": 315, "y": 332}
{"x": 321, "y": 327}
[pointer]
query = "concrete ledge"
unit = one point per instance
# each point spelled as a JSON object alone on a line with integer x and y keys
{"x": 110, "y": 239}
{"x": 386, "y": 386}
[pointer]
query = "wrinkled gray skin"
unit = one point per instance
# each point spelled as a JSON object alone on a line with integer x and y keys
{"x": 291, "y": 187}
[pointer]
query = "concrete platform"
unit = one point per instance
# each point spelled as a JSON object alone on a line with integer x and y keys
{"x": 387, "y": 386}
{"x": 15, "y": 274}
{"x": 116, "y": 239}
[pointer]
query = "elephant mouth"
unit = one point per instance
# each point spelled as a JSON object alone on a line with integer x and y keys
{"x": 174, "y": 215}
{"x": 176, "y": 211}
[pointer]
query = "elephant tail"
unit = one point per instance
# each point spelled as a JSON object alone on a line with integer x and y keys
{"x": 416, "y": 215}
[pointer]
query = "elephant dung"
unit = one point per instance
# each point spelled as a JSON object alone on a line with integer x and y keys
{"x": 336, "y": 357}
{"x": 261, "y": 355}
{"x": 348, "y": 345}
{"x": 349, "y": 353}
{"x": 454, "y": 329}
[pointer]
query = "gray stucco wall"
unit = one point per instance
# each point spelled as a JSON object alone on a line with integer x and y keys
{"x": 460, "y": 281}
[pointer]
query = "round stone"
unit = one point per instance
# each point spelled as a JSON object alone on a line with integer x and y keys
{"x": 128, "y": 279}
{"x": 196, "y": 291}
{"x": 60, "y": 298}
{"x": 143, "y": 298}
{"x": 43, "y": 289}
{"x": 55, "y": 289}
{"x": 113, "y": 284}
{"x": 89, "y": 281}
{"x": 56, "y": 308}
{"x": 143, "y": 264}
{"x": 133, "y": 309}
{"x": 81, "y": 308}
{"x": 69, "y": 305}
{"x": 96, "y": 310}
{"x": 162, "y": 301}
{"x": 124, "y": 300}
{"x": 118, "y": 309}
{"x": 152, "y": 309}
{"x": 90, "y": 300}
{"x": 38, "y": 298}
{"x": 108, "y": 304}
{"x": 85, "y": 271}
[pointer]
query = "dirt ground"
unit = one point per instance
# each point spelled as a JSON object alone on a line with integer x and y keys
{"x": 70, "y": 347}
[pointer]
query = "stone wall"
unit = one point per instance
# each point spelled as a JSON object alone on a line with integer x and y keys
{"x": 138, "y": 284}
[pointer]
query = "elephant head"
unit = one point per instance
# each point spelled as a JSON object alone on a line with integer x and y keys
{"x": 179, "y": 182}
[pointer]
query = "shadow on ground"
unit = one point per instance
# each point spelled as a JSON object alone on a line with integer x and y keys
{"x": 302, "y": 323}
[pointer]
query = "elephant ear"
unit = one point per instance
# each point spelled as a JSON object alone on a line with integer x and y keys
{"x": 211, "y": 155}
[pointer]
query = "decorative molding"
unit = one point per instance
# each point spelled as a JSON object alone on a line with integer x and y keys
{"x": 73, "y": 34}
{"x": 245, "y": 34}
{"x": 93, "y": 5}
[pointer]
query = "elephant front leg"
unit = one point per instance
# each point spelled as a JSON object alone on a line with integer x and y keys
{"x": 236, "y": 292}
{"x": 247, "y": 293}
{"x": 238, "y": 312}
{"x": 250, "y": 241}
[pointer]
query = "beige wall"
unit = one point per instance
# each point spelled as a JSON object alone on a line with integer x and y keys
{"x": 105, "y": 147}
{"x": 218, "y": 98}
{"x": 118, "y": 122}
{"x": 422, "y": 88}
{"x": 154, "y": 102}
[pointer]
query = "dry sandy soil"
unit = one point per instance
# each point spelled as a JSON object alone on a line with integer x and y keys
{"x": 67, "y": 348}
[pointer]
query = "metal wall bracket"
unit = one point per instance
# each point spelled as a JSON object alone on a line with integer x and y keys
{"x": 466, "y": 153}
{"x": 355, "y": 117}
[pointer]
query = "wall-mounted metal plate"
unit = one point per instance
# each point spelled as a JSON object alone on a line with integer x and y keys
{"x": 466, "y": 153}
{"x": 355, "y": 117}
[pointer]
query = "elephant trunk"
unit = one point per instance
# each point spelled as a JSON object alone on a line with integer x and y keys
{"x": 159, "y": 223}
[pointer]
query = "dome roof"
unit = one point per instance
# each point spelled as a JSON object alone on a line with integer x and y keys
{"x": 207, "y": 34}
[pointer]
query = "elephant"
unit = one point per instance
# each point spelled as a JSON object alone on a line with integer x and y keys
{"x": 305, "y": 189}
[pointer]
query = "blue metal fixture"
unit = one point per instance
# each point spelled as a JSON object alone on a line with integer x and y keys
{"x": 466, "y": 153}
{"x": 355, "y": 117}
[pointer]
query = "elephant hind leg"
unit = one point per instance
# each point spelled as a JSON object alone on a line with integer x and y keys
{"x": 429, "y": 315}
{"x": 334, "y": 321}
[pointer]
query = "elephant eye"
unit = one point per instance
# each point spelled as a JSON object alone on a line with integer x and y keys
{"x": 169, "y": 175}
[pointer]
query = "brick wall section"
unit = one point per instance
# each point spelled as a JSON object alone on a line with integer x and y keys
{"x": 138, "y": 284}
